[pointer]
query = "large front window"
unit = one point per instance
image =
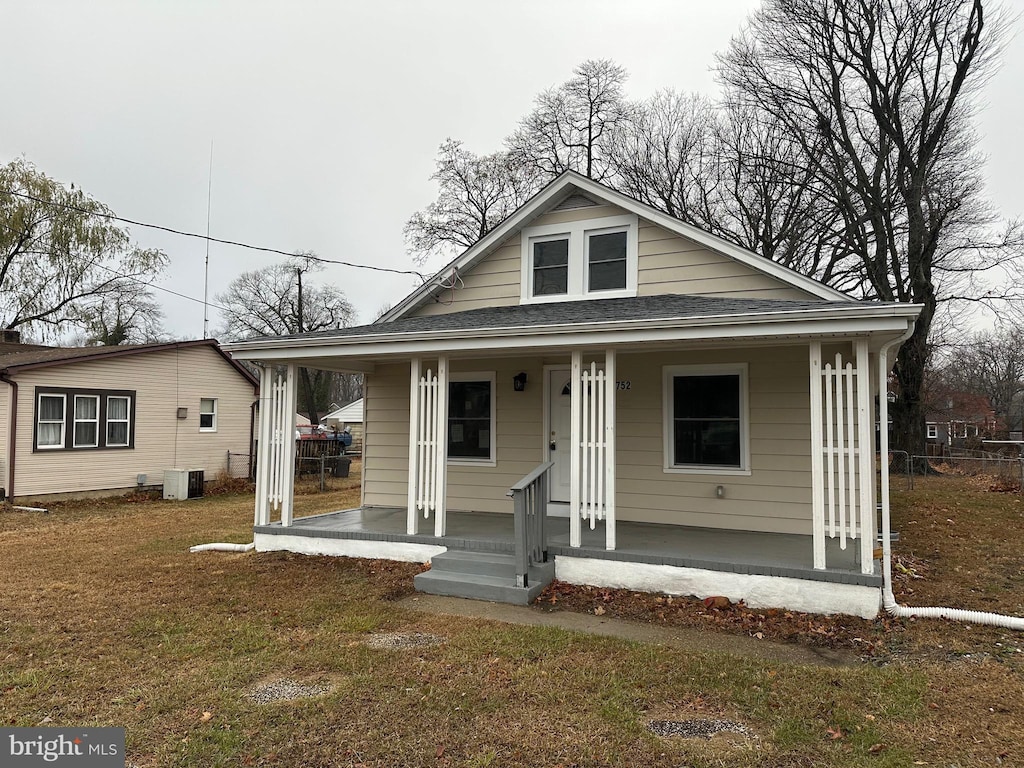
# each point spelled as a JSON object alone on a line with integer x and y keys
{"x": 471, "y": 418}
{"x": 706, "y": 424}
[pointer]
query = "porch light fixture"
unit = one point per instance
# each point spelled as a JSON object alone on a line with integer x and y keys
{"x": 519, "y": 382}
{"x": 720, "y": 491}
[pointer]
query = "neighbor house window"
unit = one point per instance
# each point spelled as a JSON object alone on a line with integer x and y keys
{"x": 83, "y": 419}
{"x": 706, "y": 423}
{"x": 208, "y": 414}
{"x": 50, "y": 421}
{"x": 87, "y": 421}
{"x": 118, "y": 423}
{"x": 933, "y": 431}
{"x": 595, "y": 258}
{"x": 471, "y": 436}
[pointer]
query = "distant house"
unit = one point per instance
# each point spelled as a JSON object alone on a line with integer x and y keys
{"x": 956, "y": 419}
{"x": 350, "y": 417}
{"x": 103, "y": 419}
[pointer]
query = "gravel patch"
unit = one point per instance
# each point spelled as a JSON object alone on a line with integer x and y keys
{"x": 696, "y": 729}
{"x": 284, "y": 690}
{"x": 393, "y": 640}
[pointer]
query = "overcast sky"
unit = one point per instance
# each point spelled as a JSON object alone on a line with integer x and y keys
{"x": 325, "y": 117}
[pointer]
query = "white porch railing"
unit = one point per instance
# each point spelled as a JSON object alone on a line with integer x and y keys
{"x": 592, "y": 494}
{"x": 842, "y": 455}
{"x": 275, "y": 465}
{"x": 428, "y": 445}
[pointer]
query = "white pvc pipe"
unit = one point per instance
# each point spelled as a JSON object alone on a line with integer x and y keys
{"x": 31, "y": 509}
{"x": 222, "y": 547}
{"x": 888, "y": 598}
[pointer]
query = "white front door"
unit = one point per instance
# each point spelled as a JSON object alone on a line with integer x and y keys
{"x": 559, "y": 435}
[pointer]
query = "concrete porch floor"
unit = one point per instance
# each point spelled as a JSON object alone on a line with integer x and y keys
{"x": 744, "y": 552}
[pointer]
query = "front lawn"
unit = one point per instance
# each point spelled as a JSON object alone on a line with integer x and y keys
{"x": 106, "y": 619}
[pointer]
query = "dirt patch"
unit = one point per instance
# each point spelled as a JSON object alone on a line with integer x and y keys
{"x": 397, "y": 640}
{"x": 285, "y": 689}
{"x": 696, "y": 729}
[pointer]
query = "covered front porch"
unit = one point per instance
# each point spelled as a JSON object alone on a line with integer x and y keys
{"x": 727, "y": 551}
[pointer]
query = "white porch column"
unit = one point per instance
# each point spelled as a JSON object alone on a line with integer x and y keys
{"x": 866, "y": 456}
{"x": 288, "y": 446}
{"x": 264, "y": 444}
{"x": 412, "y": 519}
{"x": 817, "y": 467}
{"x": 576, "y": 435}
{"x": 441, "y": 449}
{"x": 609, "y": 449}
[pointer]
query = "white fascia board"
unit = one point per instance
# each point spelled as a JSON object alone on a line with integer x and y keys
{"x": 801, "y": 324}
{"x": 715, "y": 243}
{"x": 538, "y": 204}
{"x": 491, "y": 240}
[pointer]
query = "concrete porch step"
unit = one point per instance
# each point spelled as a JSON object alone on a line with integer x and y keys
{"x": 482, "y": 576}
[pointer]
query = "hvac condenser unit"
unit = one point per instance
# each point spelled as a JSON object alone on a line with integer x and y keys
{"x": 183, "y": 483}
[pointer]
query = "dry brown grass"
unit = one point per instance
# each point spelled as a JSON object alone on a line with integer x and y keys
{"x": 107, "y": 620}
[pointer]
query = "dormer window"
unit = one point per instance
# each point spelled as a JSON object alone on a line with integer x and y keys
{"x": 595, "y": 258}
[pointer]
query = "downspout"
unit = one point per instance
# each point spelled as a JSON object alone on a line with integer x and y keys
{"x": 888, "y": 598}
{"x": 11, "y": 433}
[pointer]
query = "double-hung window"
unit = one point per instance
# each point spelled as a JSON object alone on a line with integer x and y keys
{"x": 118, "y": 420}
{"x": 50, "y": 421}
{"x": 706, "y": 419}
{"x": 87, "y": 421}
{"x": 208, "y": 414}
{"x": 589, "y": 259}
{"x": 83, "y": 419}
{"x": 471, "y": 438}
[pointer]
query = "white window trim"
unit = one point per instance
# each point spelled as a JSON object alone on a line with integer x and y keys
{"x": 932, "y": 431}
{"x": 63, "y": 421}
{"x": 669, "y": 372}
{"x": 577, "y": 233}
{"x": 477, "y": 376}
{"x": 127, "y": 421}
{"x": 214, "y": 427}
{"x": 75, "y": 421}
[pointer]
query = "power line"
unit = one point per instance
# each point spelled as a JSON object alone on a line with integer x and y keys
{"x": 149, "y": 284}
{"x": 209, "y": 239}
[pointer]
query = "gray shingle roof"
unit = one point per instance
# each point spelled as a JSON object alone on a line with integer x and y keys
{"x": 570, "y": 313}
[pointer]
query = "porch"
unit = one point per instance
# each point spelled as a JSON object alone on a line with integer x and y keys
{"x": 723, "y": 551}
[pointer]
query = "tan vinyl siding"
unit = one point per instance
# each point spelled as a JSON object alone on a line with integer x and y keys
{"x": 775, "y": 496}
{"x": 162, "y": 381}
{"x": 669, "y": 263}
{"x": 518, "y": 420}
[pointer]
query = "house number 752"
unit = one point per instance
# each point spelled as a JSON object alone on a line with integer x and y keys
{"x": 627, "y": 384}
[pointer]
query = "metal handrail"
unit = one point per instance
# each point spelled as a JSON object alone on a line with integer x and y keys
{"x": 529, "y": 500}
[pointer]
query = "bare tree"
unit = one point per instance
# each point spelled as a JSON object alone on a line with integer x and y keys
{"x": 61, "y": 256}
{"x": 277, "y": 301}
{"x": 572, "y": 127}
{"x": 879, "y": 96}
{"x": 475, "y": 193}
{"x": 989, "y": 364}
{"x": 130, "y": 318}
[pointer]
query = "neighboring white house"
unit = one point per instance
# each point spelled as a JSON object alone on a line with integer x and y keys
{"x": 347, "y": 417}
{"x": 667, "y": 411}
{"x": 95, "y": 419}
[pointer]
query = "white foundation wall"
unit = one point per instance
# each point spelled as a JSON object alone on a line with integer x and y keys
{"x": 754, "y": 590}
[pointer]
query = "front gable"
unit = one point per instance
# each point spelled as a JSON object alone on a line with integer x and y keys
{"x": 578, "y": 240}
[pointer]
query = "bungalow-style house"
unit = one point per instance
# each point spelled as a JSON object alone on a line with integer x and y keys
{"x": 110, "y": 419}
{"x": 603, "y": 393}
